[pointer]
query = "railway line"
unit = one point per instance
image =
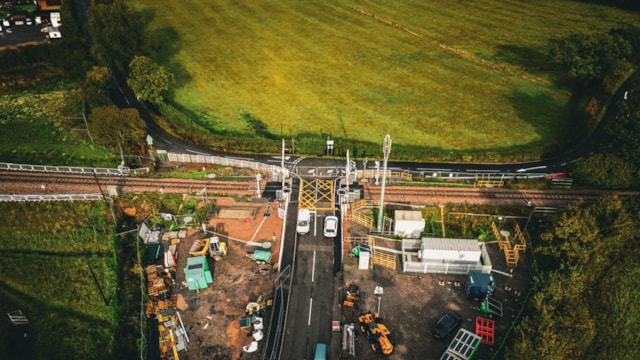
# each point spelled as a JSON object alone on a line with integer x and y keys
{"x": 486, "y": 196}
{"x": 35, "y": 183}
{"x": 16, "y": 182}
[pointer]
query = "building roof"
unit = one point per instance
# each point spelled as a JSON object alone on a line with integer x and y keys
{"x": 408, "y": 215}
{"x": 448, "y": 244}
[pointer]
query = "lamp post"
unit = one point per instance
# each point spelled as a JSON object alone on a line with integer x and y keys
{"x": 364, "y": 165}
{"x": 258, "y": 178}
{"x": 386, "y": 150}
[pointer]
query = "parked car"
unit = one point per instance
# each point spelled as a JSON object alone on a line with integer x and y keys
{"x": 320, "y": 351}
{"x": 331, "y": 226}
{"x": 304, "y": 220}
{"x": 446, "y": 325}
{"x": 28, "y": 21}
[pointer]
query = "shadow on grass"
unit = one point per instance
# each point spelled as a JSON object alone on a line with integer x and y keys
{"x": 168, "y": 46}
{"x": 167, "y": 42}
{"x": 535, "y": 62}
{"x": 556, "y": 126}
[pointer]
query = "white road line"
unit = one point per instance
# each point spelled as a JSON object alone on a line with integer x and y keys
{"x": 310, "y": 306}
{"x": 197, "y": 152}
{"x": 532, "y": 168}
{"x": 313, "y": 268}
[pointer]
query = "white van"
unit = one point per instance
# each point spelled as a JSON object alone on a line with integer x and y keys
{"x": 304, "y": 220}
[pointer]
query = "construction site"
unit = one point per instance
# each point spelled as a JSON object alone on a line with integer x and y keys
{"x": 388, "y": 304}
{"x": 209, "y": 286}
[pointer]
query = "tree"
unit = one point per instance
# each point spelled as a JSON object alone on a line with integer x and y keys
{"x": 618, "y": 311}
{"x": 591, "y": 57}
{"x": 148, "y": 80}
{"x": 113, "y": 127}
{"x": 605, "y": 171}
{"x": 118, "y": 34}
{"x": 585, "y": 303}
{"x": 96, "y": 86}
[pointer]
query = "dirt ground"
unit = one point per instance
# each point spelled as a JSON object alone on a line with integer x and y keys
{"x": 212, "y": 319}
{"x": 412, "y": 303}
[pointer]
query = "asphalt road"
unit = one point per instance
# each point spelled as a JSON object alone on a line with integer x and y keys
{"x": 311, "y": 303}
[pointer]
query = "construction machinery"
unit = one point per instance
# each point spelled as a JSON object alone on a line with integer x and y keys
{"x": 378, "y": 334}
{"x": 173, "y": 337}
{"x": 217, "y": 249}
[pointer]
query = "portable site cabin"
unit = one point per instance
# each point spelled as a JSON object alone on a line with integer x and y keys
{"x": 197, "y": 273}
{"x": 478, "y": 285}
{"x": 444, "y": 256}
{"x": 408, "y": 224}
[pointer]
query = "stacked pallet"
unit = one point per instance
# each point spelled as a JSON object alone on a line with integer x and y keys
{"x": 159, "y": 286}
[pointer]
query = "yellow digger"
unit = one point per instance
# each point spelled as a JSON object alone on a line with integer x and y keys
{"x": 378, "y": 334}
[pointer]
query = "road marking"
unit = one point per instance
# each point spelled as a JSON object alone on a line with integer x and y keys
{"x": 310, "y": 305}
{"x": 531, "y": 168}
{"x": 313, "y": 268}
{"x": 197, "y": 152}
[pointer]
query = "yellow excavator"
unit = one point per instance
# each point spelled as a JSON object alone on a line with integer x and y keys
{"x": 378, "y": 334}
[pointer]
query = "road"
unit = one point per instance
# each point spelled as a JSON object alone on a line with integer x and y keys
{"x": 312, "y": 295}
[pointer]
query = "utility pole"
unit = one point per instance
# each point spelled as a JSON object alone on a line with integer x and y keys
{"x": 348, "y": 169}
{"x": 386, "y": 150}
{"x": 282, "y": 169}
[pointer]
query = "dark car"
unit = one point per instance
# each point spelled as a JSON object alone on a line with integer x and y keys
{"x": 446, "y": 325}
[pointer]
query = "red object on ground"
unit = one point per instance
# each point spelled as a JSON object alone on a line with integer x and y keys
{"x": 247, "y": 220}
{"x": 557, "y": 175}
{"x": 485, "y": 328}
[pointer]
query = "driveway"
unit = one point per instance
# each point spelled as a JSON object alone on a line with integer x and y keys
{"x": 22, "y": 35}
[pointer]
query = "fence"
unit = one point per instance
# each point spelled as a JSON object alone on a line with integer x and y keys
{"x": 281, "y": 289}
{"x": 120, "y": 171}
{"x": 221, "y": 160}
{"x": 51, "y": 197}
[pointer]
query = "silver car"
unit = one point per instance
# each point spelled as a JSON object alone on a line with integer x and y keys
{"x": 331, "y": 226}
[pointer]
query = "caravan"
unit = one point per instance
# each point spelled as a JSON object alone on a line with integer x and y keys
{"x": 304, "y": 220}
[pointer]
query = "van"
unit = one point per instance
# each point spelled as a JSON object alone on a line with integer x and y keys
{"x": 304, "y": 219}
{"x": 320, "y": 352}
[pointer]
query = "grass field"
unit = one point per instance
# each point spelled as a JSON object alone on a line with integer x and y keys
{"x": 450, "y": 75}
{"x": 30, "y": 131}
{"x": 47, "y": 249}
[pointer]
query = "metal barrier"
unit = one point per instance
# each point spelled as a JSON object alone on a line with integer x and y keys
{"x": 51, "y": 197}
{"x": 221, "y": 160}
{"x": 120, "y": 171}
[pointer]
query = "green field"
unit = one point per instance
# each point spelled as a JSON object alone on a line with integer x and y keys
{"x": 448, "y": 75}
{"x": 31, "y": 131}
{"x": 47, "y": 249}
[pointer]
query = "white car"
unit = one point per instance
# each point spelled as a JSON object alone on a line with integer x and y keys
{"x": 28, "y": 21}
{"x": 304, "y": 220}
{"x": 331, "y": 226}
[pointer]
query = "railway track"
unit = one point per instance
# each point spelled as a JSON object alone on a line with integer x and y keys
{"x": 30, "y": 182}
{"x": 12, "y": 182}
{"x": 495, "y": 196}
